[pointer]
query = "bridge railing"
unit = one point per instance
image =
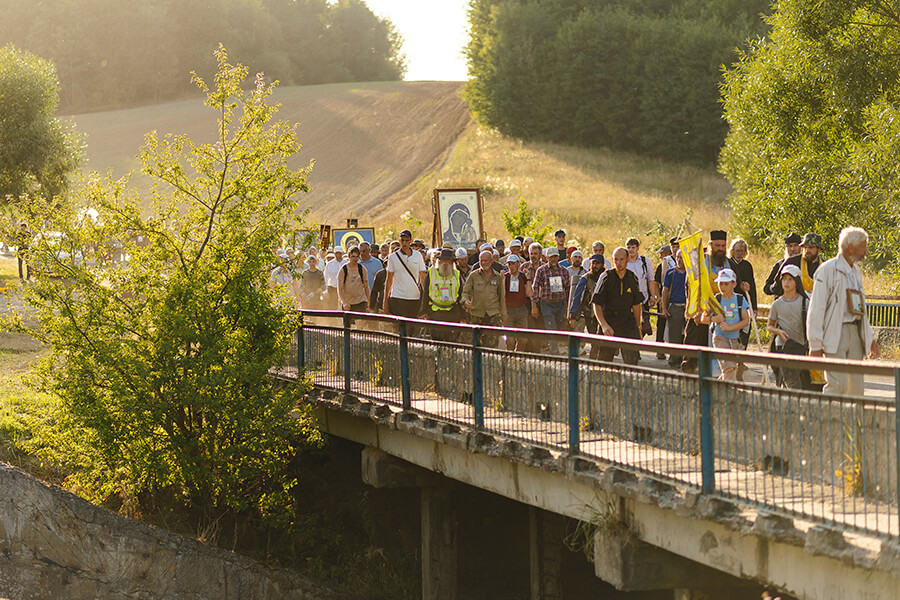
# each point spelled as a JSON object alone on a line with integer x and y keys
{"x": 817, "y": 456}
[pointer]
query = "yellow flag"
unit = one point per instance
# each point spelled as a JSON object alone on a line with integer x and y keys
{"x": 700, "y": 292}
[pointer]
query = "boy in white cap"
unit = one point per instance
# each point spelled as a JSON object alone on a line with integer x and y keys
{"x": 727, "y": 327}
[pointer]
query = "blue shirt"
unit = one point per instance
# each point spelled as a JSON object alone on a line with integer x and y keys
{"x": 675, "y": 280}
{"x": 373, "y": 265}
{"x": 733, "y": 308}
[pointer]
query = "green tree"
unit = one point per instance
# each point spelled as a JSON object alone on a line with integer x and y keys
{"x": 526, "y": 222}
{"x": 162, "y": 360}
{"x": 814, "y": 112}
{"x": 38, "y": 152}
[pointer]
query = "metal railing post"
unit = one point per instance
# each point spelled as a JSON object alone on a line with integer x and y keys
{"x": 346, "y": 353}
{"x": 707, "y": 446}
{"x": 404, "y": 367}
{"x": 301, "y": 348}
{"x": 477, "y": 378}
{"x": 897, "y": 430}
{"x": 574, "y": 407}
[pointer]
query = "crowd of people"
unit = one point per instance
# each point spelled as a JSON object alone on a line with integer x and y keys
{"x": 818, "y": 305}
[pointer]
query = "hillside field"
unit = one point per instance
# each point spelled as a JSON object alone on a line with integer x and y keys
{"x": 381, "y": 148}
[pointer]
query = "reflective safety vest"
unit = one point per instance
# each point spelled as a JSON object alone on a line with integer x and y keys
{"x": 443, "y": 291}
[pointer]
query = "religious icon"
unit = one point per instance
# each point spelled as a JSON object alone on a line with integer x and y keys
{"x": 345, "y": 238}
{"x": 459, "y": 216}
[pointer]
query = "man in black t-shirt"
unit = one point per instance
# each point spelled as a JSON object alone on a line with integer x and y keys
{"x": 617, "y": 306}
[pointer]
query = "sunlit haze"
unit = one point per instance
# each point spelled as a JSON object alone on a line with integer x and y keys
{"x": 434, "y": 33}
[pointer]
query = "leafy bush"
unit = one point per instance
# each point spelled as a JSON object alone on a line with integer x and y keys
{"x": 162, "y": 360}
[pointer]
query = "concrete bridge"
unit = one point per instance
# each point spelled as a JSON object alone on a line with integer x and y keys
{"x": 683, "y": 483}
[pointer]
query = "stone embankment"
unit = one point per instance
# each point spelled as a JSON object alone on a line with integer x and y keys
{"x": 55, "y": 545}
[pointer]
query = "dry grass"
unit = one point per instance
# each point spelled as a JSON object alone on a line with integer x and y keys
{"x": 591, "y": 193}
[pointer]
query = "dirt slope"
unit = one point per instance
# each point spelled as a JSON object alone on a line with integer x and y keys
{"x": 369, "y": 140}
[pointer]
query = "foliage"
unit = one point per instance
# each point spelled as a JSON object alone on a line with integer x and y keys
{"x": 639, "y": 76}
{"x": 814, "y": 123}
{"x": 37, "y": 151}
{"x": 162, "y": 359}
{"x": 111, "y": 54}
{"x": 526, "y": 222}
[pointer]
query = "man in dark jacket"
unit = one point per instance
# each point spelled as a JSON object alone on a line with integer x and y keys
{"x": 791, "y": 248}
{"x": 807, "y": 261}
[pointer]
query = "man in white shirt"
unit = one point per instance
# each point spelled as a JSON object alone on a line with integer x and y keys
{"x": 405, "y": 277}
{"x": 331, "y": 270}
{"x": 642, "y": 267}
{"x": 837, "y": 325}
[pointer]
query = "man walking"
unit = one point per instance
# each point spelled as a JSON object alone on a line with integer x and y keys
{"x": 371, "y": 263}
{"x": 643, "y": 270}
{"x": 837, "y": 325}
{"x": 332, "y": 267}
{"x": 808, "y": 261}
{"x": 518, "y": 295}
{"x": 443, "y": 285}
{"x": 550, "y": 294}
{"x": 791, "y": 248}
{"x": 484, "y": 296}
{"x": 580, "y": 304}
{"x": 674, "y": 301}
{"x": 403, "y": 283}
{"x": 617, "y": 306}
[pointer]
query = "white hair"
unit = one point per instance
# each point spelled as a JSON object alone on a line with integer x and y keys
{"x": 852, "y": 236}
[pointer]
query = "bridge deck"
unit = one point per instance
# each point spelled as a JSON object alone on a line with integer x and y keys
{"x": 753, "y": 484}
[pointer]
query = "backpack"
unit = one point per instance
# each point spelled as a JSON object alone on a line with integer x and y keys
{"x": 344, "y": 271}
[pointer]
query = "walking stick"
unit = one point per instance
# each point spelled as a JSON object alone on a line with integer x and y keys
{"x": 758, "y": 342}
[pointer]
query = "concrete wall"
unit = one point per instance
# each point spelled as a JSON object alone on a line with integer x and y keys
{"x": 55, "y": 545}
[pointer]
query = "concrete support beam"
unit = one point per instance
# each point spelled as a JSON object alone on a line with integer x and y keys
{"x": 439, "y": 549}
{"x": 630, "y": 565}
{"x": 381, "y": 470}
{"x": 547, "y": 531}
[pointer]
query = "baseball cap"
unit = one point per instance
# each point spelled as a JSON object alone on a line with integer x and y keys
{"x": 512, "y": 258}
{"x": 330, "y": 255}
{"x": 552, "y": 251}
{"x": 485, "y": 246}
{"x": 559, "y": 232}
{"x": 461, "y": 253}
{"x": 418, "y": 243}
{"x": 516, "y": 242}
{"x": 406, "y": 233}
{"x": 726, "y": 275}
{"x": 338, "y": 249}
{"x": 598, "y": 258}
{"x": 790, "y": 270}
{"x": 577, "y": 253}
{"x": 665, "y": 248}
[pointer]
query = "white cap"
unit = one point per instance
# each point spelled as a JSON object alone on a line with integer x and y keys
{"x": 461, "y": 253}
{"x": 338, "y": 249}
{"x": 485, "y": 246}
{"x": 552, "y": 251}
{"x": 790, "y": 270}
{"x": 512, "y": 258}
{"x": 330, "y": 255}
{"x": 578, "y": 253}
{"x": 726, "y": 275}
{"x": 515, "y": 242}
{"x": 496, "y": 253}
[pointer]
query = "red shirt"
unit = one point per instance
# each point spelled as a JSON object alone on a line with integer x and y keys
{"x": 516, "y": 298}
